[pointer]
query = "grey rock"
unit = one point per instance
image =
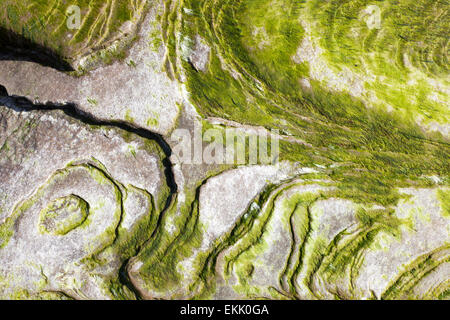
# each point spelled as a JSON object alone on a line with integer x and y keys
{"x": 72, "y": 199}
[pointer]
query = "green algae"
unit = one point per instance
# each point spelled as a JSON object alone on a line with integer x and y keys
{"x": 366, "y": 152}
{"x": 390, "y": 52}
{"x": 402, "y": 287}
{"x": 63, "y": 215}
{"x": 101, "y": 23}
{"x": 379, "y": 150}
{"x": 444, "y": 197}
{"x": 166, "y": 249}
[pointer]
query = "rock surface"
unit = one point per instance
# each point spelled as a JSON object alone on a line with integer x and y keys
{"x": 135, "y": 90}
{"x": 98, "y": 186}
{"x": 96, "y": 202}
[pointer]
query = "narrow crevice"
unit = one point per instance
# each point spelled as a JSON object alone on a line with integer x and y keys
{"x": 22, "y": 104}
{"x": 19, "y": 103}
{"x": 124, "y": 279}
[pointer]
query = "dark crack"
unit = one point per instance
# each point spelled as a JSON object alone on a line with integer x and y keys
{"x": 23, "y": 104}
{"x": 15, "y": 47}
{"x": 3, "y": 91}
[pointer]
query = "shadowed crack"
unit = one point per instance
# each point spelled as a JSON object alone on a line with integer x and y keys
{"x": 3, "y": 91}
{"x": 22, "y": 104}
{"x": 15, "y": 47}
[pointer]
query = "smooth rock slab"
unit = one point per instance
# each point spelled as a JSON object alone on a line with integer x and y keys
{"x": 70, "y": 192}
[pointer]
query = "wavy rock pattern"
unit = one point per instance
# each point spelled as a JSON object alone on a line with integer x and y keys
{"x": 79, "y": 225}
{"x": 103, "y": 24}
{"x": 357, "y": 207}
{"x": 295, "y": 240}
{"x": 132, "y": 89}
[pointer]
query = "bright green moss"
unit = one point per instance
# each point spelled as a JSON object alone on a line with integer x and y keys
{"x": 252, "y": 78}
{"x": 63, "y": 215}
{"x": 45, "y": 23}
{"x": 402, "y": 287}
{"x": 400, "y": 57}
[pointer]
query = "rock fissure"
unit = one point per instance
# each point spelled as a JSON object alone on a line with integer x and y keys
{"x": 23, "y": 104}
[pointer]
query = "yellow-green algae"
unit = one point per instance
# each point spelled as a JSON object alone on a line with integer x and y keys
{"x": 369, "y": 147}
{"x": 45, "y": 23}
{"x": 368, "y": 150}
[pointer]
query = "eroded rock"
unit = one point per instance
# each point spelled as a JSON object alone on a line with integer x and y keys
{"x": 76, "y": 203}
